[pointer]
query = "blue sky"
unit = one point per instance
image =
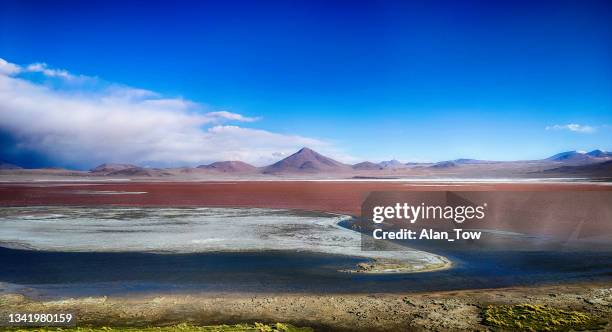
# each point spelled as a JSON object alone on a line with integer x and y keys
{"x": 411, "y": 80}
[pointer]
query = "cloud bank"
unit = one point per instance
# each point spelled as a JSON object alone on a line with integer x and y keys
{"x": 573, "y": 127}
{"x": 82, "y": 121}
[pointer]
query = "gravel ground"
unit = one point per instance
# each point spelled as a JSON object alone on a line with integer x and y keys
{"x": 441, "y": 311}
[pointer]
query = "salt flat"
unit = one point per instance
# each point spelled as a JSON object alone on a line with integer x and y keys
{"x": 190, "y": 230}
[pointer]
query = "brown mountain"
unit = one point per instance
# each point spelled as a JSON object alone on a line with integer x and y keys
{"x": 232, "y": 166}
{"x": 306, "y": 161}
{"x": 110, "y": 168}
{"x": 140, "y": 171}
{"x": 367, "y": 166}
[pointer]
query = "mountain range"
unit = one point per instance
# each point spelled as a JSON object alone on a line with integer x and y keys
{"x": 309, "y": 163}
{"x": 580, "y": 156}
{"x": 233, "y": 166}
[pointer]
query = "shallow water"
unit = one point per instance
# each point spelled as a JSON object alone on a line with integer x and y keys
{"x": 57, "y": 274}
{"x": 191, "y": 267}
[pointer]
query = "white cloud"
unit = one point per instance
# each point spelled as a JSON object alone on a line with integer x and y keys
{"x": 574, "y": 127}
{"x": 45, "y": 70}
{"x": 7, "y": 68}
{"x": 124, "y": 124}
{"x": 230, "y": 116}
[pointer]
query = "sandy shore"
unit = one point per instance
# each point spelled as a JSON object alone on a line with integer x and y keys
{"x": 441, "y": 311}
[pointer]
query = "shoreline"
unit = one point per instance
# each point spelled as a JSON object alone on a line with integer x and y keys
{"x": 442, "y": 310}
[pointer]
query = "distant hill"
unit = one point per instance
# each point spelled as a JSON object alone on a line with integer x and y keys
{"x": 570, "y": 156}
{"x": 464, "y": 161}
{"x": 444, "y": 165}
{"x": 109, "y": 168}
{"x": 367, "y": 166}
{"x": 7, "y": 165}
{"x": 417, "y": 164}
{"x": 306, "y": 161}
{"x": 580, "y": 157}
{"x": 392, "y": 164}
{"x": 600, "y": 154}
{"x": 140, "y": 171}
{"x": 233, "y": 166}
{"x": 602, "y": 169}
